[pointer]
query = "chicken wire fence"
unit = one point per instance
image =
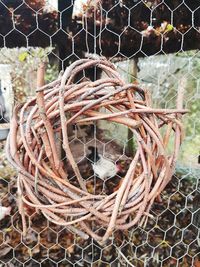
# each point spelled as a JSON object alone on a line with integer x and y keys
{"x": 139, "y": 37}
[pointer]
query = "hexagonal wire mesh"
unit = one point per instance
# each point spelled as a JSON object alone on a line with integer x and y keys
{"x": 138, "y": 37}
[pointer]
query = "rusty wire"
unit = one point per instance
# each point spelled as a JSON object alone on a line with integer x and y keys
{"x": 42, "y": 181}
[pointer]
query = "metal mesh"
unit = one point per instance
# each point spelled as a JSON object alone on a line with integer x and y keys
{"x": 171, "y": 235}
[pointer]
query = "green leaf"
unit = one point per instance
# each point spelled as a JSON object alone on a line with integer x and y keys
{"x": 22, "y": 57}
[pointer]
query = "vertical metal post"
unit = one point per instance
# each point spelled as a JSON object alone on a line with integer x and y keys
{"x": 133, "y": 70}
{"x": 65, "y": 7}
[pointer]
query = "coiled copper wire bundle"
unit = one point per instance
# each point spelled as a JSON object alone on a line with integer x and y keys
{"x": 42, "y": 181}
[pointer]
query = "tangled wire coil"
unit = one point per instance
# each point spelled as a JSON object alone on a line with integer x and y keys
{"x": 42, "y": 181}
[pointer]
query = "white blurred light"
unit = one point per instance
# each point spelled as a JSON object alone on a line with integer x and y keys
{"x": 78, "y": 5}
{"x": 53, "y": 3}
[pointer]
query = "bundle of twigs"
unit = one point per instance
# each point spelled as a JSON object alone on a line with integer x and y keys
{"x": 42, "y": 181}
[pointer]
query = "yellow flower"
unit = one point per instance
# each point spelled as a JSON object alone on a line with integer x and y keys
{"x": 170, "y": 27}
